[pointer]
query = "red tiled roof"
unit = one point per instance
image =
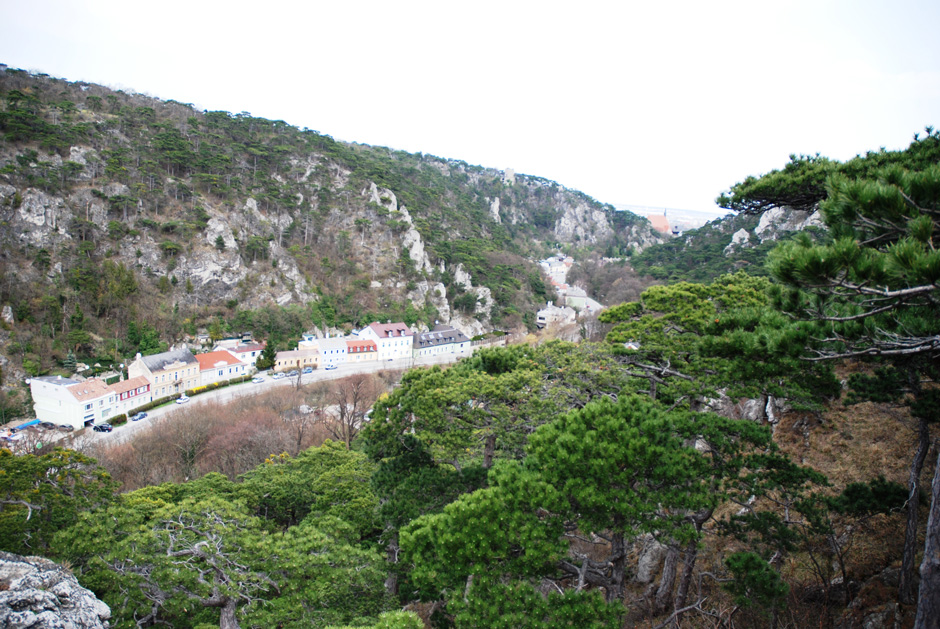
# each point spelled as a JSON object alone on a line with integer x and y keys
{"x": 90, "y": 389}
{"x": 363, "y": 346}
{"x": 388, "y": 330}
{"x": 211, "y": 360}
{"x": 128, "y": 385}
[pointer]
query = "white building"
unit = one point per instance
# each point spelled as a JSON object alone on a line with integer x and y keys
{"x": 554, "y": 314}
{"x": 332, "y": 351}
{"x": 443, "y": 339}
{"x": 219, "y": 366}
{"x": 247, "y": 353}
{"x": 130, "y": 394}
{"x": 395, "y": 340}
{"x": 81, "y": 403}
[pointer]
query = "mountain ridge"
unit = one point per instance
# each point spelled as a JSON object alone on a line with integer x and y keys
{"x": 120, "y": 208}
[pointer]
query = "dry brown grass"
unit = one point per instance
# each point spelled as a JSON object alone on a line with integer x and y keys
{"x": 847, "y": 444}
{"x": 231, "y": 438}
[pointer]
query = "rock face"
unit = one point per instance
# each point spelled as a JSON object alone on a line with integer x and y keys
{"x": 778, "y": 221}
{"x": 37, "y": 593}
{"x": 739, "y": 240}
{"x": 582, "y": 223}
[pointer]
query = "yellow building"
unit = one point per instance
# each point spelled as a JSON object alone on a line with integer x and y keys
{"x": 361, "y": 350}
{"x": 169, "y": 373}
{"x": 297, "y": 359}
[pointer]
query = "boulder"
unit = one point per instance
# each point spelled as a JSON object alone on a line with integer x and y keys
{"x": 40, "y": 594}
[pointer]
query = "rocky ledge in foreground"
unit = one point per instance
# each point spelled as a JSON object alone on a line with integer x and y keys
{"x": 36, "y": 593}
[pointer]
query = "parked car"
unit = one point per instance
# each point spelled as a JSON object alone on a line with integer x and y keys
{"x": 102, "y": 428}
{"x": 330, "y": 366}
{"x": 182, "y": 399}
{"x": 308, "y": 370}
{"x": 257, "y": 379}
{"x": 46, "y": 425}
{"x": 139, "y": 416}
{"x": 66, "y": 427}
{"x": 277, "y": 376}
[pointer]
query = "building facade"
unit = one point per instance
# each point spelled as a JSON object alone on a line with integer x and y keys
{"x": 443, "y": 339}
{"x": 219, "y": 366}
{"x": 169, "y": 373}
{"x": 361, "y": 350}
{"x": 394, "y": 340}
{"x": 297, "y": 359}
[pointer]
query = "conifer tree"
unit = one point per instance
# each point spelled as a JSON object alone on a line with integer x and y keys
{"x": 872, "y": 292}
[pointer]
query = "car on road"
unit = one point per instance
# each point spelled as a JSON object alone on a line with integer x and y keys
{"x": 182, "y": 399}
{"x": 330, "y": 366}
{"x": 277, "y": 376}
{"x": 102, "y": 428}
{"x": 257, "y": 379}
{"x": 308, "y": 370}
{"x": 47, "y": 425}
{"x": 66, "y": 427}
{"x": 293, "y": 374}
{"x": 139, "y": 416}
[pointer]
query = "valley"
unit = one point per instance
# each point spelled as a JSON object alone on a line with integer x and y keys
{"x": 743, "y": 434}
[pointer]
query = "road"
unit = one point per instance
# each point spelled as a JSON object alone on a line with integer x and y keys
{"x": 225, "y": 395}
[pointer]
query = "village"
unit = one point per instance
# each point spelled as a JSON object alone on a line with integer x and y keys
{"x": 72, "y": 403}
{"x": 100, "y": 402}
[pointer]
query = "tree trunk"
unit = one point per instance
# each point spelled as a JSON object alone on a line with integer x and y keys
{"x": 688, "y": 560}
{"x": 618, "y": 568}
{"x": 391, "y": 583}
{"x": 489, "y": 449}
{"x": 906, "y": 587}
{"x": 928, "y": 600}
{"x": 667, "y": 580}
{"x": 227, "y": 620}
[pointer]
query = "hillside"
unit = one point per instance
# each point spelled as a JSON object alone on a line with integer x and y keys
{"x": 127, "y": 215}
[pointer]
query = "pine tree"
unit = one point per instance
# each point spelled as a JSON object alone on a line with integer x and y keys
{"x": 873, "y": 293}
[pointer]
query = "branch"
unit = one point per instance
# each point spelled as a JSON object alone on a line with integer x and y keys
{"x": 678, "y": 612}
{"x": 30, "y": 507}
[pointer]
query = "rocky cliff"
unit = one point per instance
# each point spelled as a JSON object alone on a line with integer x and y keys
{"x": 36, "y": 593}
{"x": 126, "y": 216}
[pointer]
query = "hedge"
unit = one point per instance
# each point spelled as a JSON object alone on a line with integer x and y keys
{"x": 216, "y": 385}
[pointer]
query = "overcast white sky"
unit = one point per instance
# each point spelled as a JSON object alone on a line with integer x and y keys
{"x": 662, "y": 104}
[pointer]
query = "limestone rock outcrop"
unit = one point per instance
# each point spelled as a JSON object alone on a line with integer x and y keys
{"x": 36, "y": 593}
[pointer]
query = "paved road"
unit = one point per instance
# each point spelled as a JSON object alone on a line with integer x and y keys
{"x": 227, "y": 394}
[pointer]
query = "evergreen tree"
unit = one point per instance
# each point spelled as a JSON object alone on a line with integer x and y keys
{"x": 873, "y": 293}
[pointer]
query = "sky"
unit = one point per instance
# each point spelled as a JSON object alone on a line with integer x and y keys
{"x": 661, "y": 104}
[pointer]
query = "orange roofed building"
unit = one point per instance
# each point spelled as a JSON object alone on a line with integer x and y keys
{"x": 660, "y": 223}
{"x": 219, "y": 366}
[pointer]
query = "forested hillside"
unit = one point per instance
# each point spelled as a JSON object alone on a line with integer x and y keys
{"x": 749, "y": 450}
{"x": 127, "y": 217}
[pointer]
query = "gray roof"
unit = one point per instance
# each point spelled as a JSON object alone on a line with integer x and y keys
{"x": 440, "y": 335}
{"x": 159, "y": 362}
{"x": 56, "y": 380}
